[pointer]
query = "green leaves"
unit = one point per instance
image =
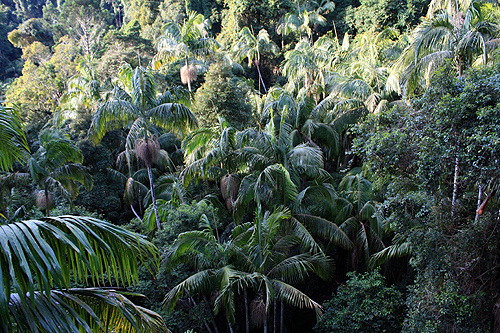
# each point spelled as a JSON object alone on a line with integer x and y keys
{"x": 54, "y": 250}
{"x": 13, "y": 145}
{"x": 55, "y": 165}
{"x": 82, "y": 309}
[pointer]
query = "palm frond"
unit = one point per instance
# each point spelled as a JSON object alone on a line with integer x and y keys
{"x": 400, "y": 247}
{"x": 275, "y": 180}
{"x": 111, "y": 115}
{"x": 75, "y": 173}
{"x": 174, "y": 117}
{"x": 295, "y": 297}
{"x": 296, "y": 268}
{"x": 201, "y": 282}
{"x": 307, "y": 160}
{"x": 87, "y": 309}
{"x": 36, "y": 249}
{"x": 326, "y": 229}
{"x": 13, "y": 144}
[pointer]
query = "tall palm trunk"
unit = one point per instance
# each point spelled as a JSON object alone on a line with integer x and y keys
{"x": 47, "y": 201}
{"x": 260, "y": 75}
{"x": 282, "y": 314}
{"x": 247, "y": 317}
{"x": 275, "y": 317}
{"x": 153, "y": 195}
{"x": 455, "y": 188}
{"x": 148, "y": 150}
{"x": 135, "y": 213}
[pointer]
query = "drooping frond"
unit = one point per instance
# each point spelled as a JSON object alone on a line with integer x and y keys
{"x": 111, "y": 115}
{"x": 201, "y": 282}
{"x": 68, "y": 174}
{"x": 295, "y": 297}
{"x": 316, "y": 200}
{"x": 296, "y": 268}
{"x": 174, "y": 117}
{"x": 175, "y": 95}
{"x": 324, "y": 135}
{"x": 35, "y": 250}
{"x": 340, "y": 113}
{"x": 326, "y": 229}
{"x": 57, "y": 149}
{"x": 307, "y": 160}
{"x": 433, "y": 35}
{"x": 275, "y": 183}
{"x": 452, "y": 7}
{"x": 13, "y": 144}
{"x": 400, "y": 247}
{"x": 142, "y": 87}
{"x": 82, "y": 309}
{"x": 425, "y": 67}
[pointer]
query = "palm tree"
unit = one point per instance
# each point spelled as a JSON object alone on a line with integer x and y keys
{"x": 271, "y": 266}
{"x": 279, "y": 166}
{"x": 57, "y": 165}
{"x": 39, "y": 259}
{"x": 83, "y": 93}
{"x": 302, "y": 18}
{"x": 359, "y": 218}
{"x": 306, "y": 66}
{"x": 185, "y": 42}
{"x": 466, "y": 38}
{"x": 135, "y": 103}
{"x": 13, "y": 145}
{"x": 256, "y": 257}
{"x": 213, "y": 260}
{"x": 211, "y": 152}
{"x": 134, "y": 191}
{"x": 251, "y": 47}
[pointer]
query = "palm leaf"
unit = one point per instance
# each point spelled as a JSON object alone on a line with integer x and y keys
{"x": 49, "y": 250}
{"x": 13, "y": 144}
{"x": 201, "y": 282}
{"x": 326, "y": 229}
{"x": 82, "y": 309}
{"x": 400, "y": 247}
{"x": 296, "y": 268}
{"x": 173, "y": 116}
{"x": 111, "y": 115}
{"x": 295, "y": 297}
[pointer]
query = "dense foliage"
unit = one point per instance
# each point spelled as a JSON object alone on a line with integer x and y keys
{"x": 294, "y": 165}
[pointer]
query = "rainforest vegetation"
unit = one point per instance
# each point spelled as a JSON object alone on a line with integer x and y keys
{"x": 249, "y": 166}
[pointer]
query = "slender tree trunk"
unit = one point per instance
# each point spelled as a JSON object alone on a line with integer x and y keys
{"x": 211, "y": 314}
{"x": 335, "y": 29}
{"x": 153, "y": 196}
{"x": 275, "y": 317}
{"x": 282, "y": 315}
{"x": 47, "y": 202}
{"x": 265, "y": 324}
{"x": 479, "y": 199}
{"x": 230, "y": 326}
{"x": 247, "y": 317}
{"x": 260, "y": 76}
{"x": 455, "y": 188}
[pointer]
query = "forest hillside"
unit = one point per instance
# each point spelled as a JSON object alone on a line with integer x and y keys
{"x": 249, "y": 166}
